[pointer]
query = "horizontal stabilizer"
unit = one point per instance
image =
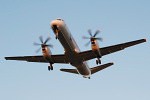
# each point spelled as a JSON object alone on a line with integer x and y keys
{"x": 93, "y": 70}
{"x": 101, "y": 67}
{"x": 69, "y": 70}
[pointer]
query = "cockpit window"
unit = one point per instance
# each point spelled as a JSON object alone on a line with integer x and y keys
{"x": 59, "y": 19}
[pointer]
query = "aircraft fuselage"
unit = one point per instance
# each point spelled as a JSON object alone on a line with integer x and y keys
{"x": 71, "y": 49}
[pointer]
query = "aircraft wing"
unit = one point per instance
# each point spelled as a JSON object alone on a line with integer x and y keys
{"x": 118, "y": 47}
{"x": 55, "y": 58}
{"x": 87, "y": 55}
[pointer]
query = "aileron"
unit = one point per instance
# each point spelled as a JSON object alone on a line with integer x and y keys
{"x": 28, "y": 58}
{"x": 118, "y": 47}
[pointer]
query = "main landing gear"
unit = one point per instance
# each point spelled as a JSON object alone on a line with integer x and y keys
{"x": 98, "y": 61}
{"x": 50, "y": 67}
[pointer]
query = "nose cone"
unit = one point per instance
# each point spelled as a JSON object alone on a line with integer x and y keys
{"x": 58, "y": 22}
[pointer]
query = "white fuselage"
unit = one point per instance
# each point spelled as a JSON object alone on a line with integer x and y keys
{"x": 70, "y": 47}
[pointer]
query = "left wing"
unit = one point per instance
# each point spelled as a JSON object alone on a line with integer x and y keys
{"x": 87, "y": 55}
{"x": 55, "y": 58}
{"x": 28, "y": 58}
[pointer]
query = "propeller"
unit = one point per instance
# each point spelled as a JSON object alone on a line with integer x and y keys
{"x": 93, "y": 37}
{"x": 43, "y": 44}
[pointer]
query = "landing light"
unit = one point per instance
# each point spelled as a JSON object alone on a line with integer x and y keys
{"x": 75, "y": 50}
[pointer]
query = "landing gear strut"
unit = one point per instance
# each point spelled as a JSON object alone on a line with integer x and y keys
{"x": 50, "y": 67}
{"x": 98, "y": 61}
{"x": 56, "y": 34}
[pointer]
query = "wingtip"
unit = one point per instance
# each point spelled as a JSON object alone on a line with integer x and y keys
{"x": 60, "y": 69}
{"x": 144, "y": 39}
{"x": 111, "y": 63}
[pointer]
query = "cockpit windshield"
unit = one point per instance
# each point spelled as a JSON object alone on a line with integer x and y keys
{"x": 59, "y": 19}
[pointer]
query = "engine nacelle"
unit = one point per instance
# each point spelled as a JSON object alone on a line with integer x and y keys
{"x": 95, "y": 48}
{"x": 47, "y": 54}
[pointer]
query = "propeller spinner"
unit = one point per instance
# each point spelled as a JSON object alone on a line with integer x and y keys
{"x": 92, "y": 38}
{"x": 43, "y": 44}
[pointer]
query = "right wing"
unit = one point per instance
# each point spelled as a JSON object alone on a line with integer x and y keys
{"x": 118, "y": 47}
{"x": 88, "y": 55}
{"x": 55, "y": 58}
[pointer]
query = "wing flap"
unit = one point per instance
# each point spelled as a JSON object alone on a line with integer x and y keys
{"x": 101, "y": 67}
{"x": 59, "y": 59}
{"x": 87, "y": 55}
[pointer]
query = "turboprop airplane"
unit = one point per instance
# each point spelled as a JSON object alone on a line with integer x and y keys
{"x": 72, "y": 53}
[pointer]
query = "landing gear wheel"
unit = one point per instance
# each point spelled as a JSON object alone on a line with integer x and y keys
{"x": 98, "y": 61}
{"x": 56, "y": 36}
{"x": 49, "y": 68}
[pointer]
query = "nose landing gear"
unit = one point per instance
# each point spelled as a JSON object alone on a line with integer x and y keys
{"x": 56, "y": 36}
{"x": 55, "y": 28}
{"x": 50, "y": 67}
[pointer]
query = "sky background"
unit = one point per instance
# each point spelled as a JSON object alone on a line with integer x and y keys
{"x": 23, "y": 21}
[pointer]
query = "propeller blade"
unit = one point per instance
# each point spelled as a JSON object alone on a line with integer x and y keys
{"x": 84, "y": 37}
{"x": 41, "y": 39}
{"x": 34, "y": 43}
{"x": 90, "y": 33}
{"x": 38, "y": 50}
{"x": 47, "y": 40}
{"x": 92, "y": 38}
{"x": 87, "y": 44}
{"x": 50, "y": 45}
{"x": 101, "y": 39}
{"x": 96, "y": 33}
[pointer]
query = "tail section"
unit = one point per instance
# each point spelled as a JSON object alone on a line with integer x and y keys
{"x": 69, "y": 70}
{"x": 101, "y": 67}
{"x": 93, "y": 70}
